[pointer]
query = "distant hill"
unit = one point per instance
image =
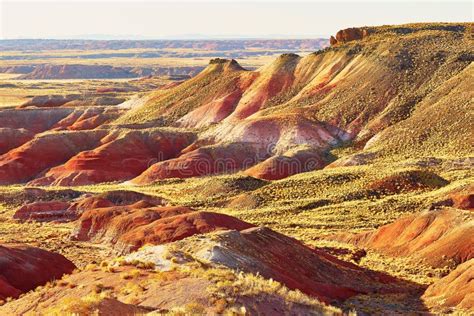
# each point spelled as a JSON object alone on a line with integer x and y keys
{"x": 221, "y": 45}
{"x": 71, "y": 71}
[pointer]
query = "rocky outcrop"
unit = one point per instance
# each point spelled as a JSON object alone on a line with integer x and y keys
{"x": 348, "y": 35}
{"x": 23, "y": 268}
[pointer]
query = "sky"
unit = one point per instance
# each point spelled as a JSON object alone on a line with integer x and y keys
{"x": 213, "y": 19}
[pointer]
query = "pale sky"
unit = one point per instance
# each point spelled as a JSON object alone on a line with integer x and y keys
{"x": 222, "y": 19}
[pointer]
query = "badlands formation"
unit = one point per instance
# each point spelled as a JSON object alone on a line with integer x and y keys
{"x": 333, "y": 183}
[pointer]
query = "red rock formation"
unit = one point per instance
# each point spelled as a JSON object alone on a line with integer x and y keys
{"x": 34, "y": 120}
{"x": 130, "y": 227}
{"x": 241, "y": 146}
{"x": 120, "y": 157}
{"x": 43, "y": 152}
{"x": 46, "y": 211}
{"x": 212, "y": 112}
{"x": 60, "y": 210}
{"x": 11, "y": 138}
{"x": 278, "y": 134}
{"x": 200, "y": 162}
{"x": 317, "y": 100}
{"x": 23, "y": 268}
{"x": 347, "y": 35}
{"x": 454, "y": 290}
{"x": 87, "y": 118}
{"x": 438, "y": 237}
{"x": 284, "y": 259}
{"x": 282, "y": 166}
{"x": 272, "y": 80}
{"x": 116, "y": 198}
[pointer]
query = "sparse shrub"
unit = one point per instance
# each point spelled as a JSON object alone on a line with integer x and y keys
{"x": 132, "y": 274}
{"x": 98, "y": 288}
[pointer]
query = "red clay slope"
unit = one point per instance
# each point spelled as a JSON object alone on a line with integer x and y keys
{"x": 43, "y": 152}
{"x": 71, "y": 209}
{"x": 272, "y": 80}
{"x": 23, "y": 268}
{"x": 130, "y": 227}
{"x": 454, "y": 290}
{"x": 46, "y": 211}
{"x": 284, "y": 259}
{"x": 282, "y": 166}
{"x": 34, "y": 120}
{"x": 13, "y": 137}
{"x": 119, "y": 157}
{"x": 438, "y": 237}
{"x": 203, "y": 161}
{"x": 251, "y": 142}
{"x": 88, "y": 118}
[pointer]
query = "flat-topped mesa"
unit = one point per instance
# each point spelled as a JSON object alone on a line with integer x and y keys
{"x": 348, "y": 35}
{"x": 225, "y": 64}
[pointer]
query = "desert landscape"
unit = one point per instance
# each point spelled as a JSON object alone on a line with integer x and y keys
{"x": 329, "y": 176}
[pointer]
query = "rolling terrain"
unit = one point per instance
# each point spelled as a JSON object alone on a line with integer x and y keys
{"x": 356, "y": 160}
{"x": 110, "y": 59}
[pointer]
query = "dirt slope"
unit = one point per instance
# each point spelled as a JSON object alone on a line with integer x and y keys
{"x": 23, "y": 268}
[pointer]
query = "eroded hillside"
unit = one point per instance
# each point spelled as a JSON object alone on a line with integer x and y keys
{"x": 357, "y": 159}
